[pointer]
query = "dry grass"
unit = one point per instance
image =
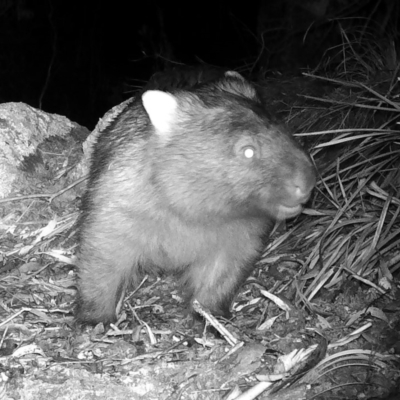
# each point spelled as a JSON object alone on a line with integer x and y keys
{"x": 351, "y": 232}
{"x": 353, "y": 229}
{"x": 357, "y": 233}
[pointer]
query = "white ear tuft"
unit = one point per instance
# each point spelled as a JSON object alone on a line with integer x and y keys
{"x": 161, "y": 108}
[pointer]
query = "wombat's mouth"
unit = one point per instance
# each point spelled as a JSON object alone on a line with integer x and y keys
{"x": 285, "y": 212}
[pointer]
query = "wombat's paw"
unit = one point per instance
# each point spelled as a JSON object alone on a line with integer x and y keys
{"x": 89, "y": 313}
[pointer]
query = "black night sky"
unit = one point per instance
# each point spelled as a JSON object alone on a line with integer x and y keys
{"x": 92, "y": 53}
{"x": 80, "y": 58}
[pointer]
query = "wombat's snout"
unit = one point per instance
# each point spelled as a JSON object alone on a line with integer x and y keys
{"x": 296, "y": 193}
{"x": 299, "y": 188}
{"x": 303, "y": 186}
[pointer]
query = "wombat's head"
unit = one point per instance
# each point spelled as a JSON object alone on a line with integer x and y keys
{"x": 218, "y": 155}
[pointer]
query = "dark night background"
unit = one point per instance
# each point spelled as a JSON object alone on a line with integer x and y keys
{"x": 80, "y": 58}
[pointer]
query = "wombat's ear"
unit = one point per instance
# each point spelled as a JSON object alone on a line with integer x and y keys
{"x": 161, "y": 108}
{"x": 234, "y": 74}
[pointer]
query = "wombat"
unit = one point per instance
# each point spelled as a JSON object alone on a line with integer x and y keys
{"x": 187, "y": 182}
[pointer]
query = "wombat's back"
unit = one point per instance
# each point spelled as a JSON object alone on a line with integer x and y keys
{"x": 184, "y": 77}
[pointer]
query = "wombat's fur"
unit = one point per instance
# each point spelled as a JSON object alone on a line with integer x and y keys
{"x": 187, "y": 182}
{"x": 186, "y": 77}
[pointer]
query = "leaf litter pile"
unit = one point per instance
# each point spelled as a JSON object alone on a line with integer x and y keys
{"x": 318, "y": 319}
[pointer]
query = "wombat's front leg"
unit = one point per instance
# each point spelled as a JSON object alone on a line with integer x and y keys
{"x": 107, "y": 263}
{"x": 215, "y": 281}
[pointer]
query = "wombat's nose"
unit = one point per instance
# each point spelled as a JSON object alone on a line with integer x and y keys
{"x": 300, "y": 194}
{"x": 301, "y": 186}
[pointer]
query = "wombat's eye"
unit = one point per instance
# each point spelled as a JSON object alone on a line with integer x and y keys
{"x": 247, "y": 148}
{"x": 249, "y": 152}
